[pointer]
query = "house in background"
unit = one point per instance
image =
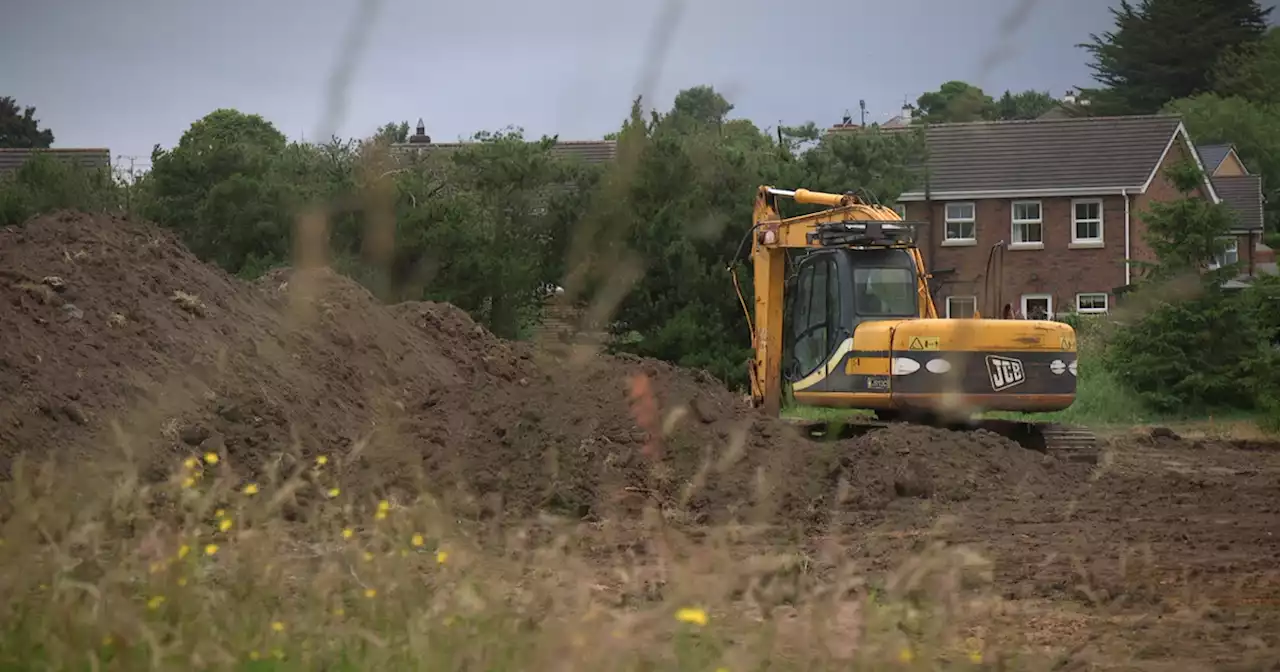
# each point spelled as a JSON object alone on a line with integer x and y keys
{"x": 590, "y": 151}
{"x": 1064, "y": 198}
{"x": 12, "y": 159}
{"x": 1242, "y": 193}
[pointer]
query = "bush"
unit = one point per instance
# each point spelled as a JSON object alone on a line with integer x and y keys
{"x": 1199, "y": 354}
{"x": 46, "y": 184}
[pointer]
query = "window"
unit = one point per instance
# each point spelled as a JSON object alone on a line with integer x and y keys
{"x": 1092, "y": 302}
{"x": 885, "y": 292}
{"x": 1086, "y": 221}
{"x": 961, "y": 222}
{"x": 962, "y": 307}
{"x": 814, "y": 321}
{"x": 1229, "y": 255}
{"x": 1037, "y": 306}
{"x": 901, "y": 209}
{"x": 1028, "y": 227}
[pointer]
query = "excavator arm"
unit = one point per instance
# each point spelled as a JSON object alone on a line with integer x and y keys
{"x": 848, "y": 221}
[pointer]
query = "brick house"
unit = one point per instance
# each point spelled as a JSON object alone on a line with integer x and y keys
{"x": 1242, "y": 192}
{"x": 1059, "y": 200}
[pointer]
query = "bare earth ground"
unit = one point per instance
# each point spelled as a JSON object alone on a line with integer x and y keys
{"x": 113, "y": 337}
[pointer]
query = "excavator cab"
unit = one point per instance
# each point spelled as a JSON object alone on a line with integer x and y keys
{"x": 832, "y": 291}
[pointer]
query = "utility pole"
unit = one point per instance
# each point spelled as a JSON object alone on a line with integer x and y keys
{"x": 862, "y": 105}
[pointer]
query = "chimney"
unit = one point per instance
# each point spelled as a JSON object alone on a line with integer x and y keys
{"x": 1069, "y": 98}
{"x": 420, "y": 136}
{"x": 907, "y": 112}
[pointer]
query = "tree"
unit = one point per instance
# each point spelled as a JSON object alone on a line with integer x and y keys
{"x": 224, "y": 190}
{"x": 393, "y": 132}
{"x": 19, "y": 128}
{"x": 1186, "y": 233}
{"x": 1167, "y": 49}
{"x": 956, "y": 101}
{"x": 1028, "y": 104}
{"x": 1251, "y": 71}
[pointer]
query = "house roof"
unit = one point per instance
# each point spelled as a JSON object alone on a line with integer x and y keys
{"x": 11, "y": 158}
{"x": 590, "y": 151}
{"x": 1046, "y": 157}
{"x": 1242, "y": 194}
{"x": 1212, "y": 156}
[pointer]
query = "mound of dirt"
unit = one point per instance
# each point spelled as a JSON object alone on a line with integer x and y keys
{"x": 109, "y": 321}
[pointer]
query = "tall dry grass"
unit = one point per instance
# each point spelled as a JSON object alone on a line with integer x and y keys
{"x": 211, "y": 570}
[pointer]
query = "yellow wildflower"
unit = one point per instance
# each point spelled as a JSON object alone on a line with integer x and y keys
{"x": 224, "y": 524}
{"x": 211, "y": 549}
{"x": 211, "y": 458}
{"x": 906, "y": 655}
{"x": 417, "y": 540}
{"x": 368, "y": 557}
{"x": 182, "y": 580}
{"x": 381, "y": 515}
{"x": 220, "y": 513}
{"x": 155, "y": 602}
{"x": 370, "y": 593}
{"x": 183, "y": 550}
{"x": 251, "y": 489}
{"x": 156, "y": 567}
{"x": 347, "y": 533}
{"x": 277, "y": 626}
{"x": 108, "y": 640}
{"x": 334, "y": 492}
{"x": 190, "y": 463}
{"x": 692, "y": 615}
{"x": 975, "y": 657}
{"x": 278, "y": 653}
{"x": 188, "y": 482}
{"x": 253, "y": 655}
{"x": 322, "y": 460}
{"x": 383, "y": 507}
{"x": 442, "y": 557}
{"x": 339, "y": 612}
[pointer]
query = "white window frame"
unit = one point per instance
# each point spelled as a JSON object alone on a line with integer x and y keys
{"x": 970, "y": 298}
{"x": 1047, "y": 297}
{"x": 971, "y": 220}
{"x": 1220, "y": 259}
{"x": 1106, "y": 303}
{"x": 1014, "y": 223}
{"x": 1075, "y": 222}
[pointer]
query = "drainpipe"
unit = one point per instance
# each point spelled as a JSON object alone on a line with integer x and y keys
{"x": 1128, "y": 267}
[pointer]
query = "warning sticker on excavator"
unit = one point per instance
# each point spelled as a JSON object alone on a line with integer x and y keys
{"x": 1068, "y": 343}
{"x": 923, "y": 343}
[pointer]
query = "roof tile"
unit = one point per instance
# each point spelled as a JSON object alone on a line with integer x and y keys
{"x": 12, "y": 158}
{"x": 1242, "y": 194}
{"x": 1078, "y": 153}
{"x": 1212, "y": 156}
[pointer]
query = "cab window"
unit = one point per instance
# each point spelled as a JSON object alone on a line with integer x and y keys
{"x": 885, "y": 292}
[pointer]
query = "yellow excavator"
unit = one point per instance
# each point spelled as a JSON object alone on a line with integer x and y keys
{"x": 844, "y": 316}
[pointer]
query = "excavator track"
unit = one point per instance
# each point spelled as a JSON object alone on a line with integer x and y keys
{"x": 1063, "y": 442}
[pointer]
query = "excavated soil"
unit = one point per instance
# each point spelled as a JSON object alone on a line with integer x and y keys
{"x": 115, "y": 336}
{"x": 114, "y": 340}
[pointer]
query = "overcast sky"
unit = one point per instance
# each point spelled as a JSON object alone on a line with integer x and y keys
{"x": 128, "y": 74}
